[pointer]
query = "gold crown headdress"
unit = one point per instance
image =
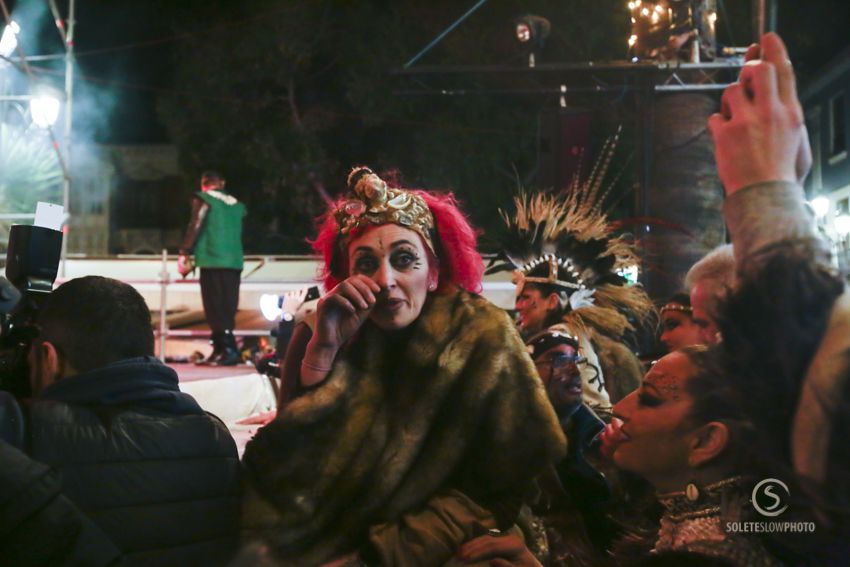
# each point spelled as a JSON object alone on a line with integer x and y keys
{"x": 372, "y": 201}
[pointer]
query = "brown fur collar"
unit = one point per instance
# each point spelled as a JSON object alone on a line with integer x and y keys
{"x": 463, "y": 410}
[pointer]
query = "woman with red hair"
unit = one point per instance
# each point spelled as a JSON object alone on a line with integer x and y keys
{"x": 415, "y": 417}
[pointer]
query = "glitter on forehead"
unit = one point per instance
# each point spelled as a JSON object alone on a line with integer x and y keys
{"x": 666, "y": 384}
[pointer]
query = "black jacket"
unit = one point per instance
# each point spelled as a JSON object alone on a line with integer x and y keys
{"x": 38, "y": 525}
{"x": 144, "y": 461}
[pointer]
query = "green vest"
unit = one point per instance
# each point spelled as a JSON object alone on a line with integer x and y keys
{"x": 219, "y": 244}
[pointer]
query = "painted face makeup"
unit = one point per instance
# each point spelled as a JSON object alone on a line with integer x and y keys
{"x": 396, "y": 258}
{"x": 655, "y": 423}
{"x": 558, "y": 368}
{"x": 531, "y": 310}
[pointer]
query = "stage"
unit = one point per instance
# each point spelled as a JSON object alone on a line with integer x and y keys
{"x": 242, "y": 398}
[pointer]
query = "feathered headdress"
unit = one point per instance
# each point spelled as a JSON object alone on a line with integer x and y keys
{"x": 566, "y": 241}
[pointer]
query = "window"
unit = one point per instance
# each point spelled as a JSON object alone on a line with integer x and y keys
{"x": 837, "y": 126}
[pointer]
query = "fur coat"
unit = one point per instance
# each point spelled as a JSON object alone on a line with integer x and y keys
{"x": 463, "y": 411}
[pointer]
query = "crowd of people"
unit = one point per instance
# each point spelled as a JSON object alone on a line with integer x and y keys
{"x": 419, "y": 425}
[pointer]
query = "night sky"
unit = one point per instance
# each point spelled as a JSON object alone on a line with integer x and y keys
{"x": 125, "y": 52}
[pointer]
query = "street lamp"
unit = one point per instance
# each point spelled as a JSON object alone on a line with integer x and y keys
{"x": 9, "y": 39}
{"x": 44, "y": 110}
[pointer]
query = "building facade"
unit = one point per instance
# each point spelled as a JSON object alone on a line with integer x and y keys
{"x": 826, "y": 102}
{"x": 127, "y": 200}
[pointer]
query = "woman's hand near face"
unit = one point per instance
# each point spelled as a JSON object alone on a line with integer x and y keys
{"x": 344, "y": 309}
{"x": 340, "y": 313}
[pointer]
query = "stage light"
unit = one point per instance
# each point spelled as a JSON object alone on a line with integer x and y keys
{"x": 821, "y": 206}
{"x": 531, "y": 28}
{"x": 270, "y": 306}
{"x": 523, "y": 32}
{"x": 44, "y": 110}
{"x": 531, "y": 31}
{"x": 9, "y": 39}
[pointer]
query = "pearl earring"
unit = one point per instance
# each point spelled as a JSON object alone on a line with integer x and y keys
{"x": 692, "y": 492}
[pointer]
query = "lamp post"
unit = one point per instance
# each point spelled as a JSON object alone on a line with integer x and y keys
{"x": 44, "y": 110}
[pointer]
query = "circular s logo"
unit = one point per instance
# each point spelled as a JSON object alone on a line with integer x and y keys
{"x": 769, "y": 497}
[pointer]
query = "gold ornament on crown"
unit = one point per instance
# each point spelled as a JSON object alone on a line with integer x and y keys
{"x": 373, "y": 202}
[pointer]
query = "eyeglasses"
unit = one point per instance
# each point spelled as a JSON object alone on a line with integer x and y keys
{"x": 560, "y": 361}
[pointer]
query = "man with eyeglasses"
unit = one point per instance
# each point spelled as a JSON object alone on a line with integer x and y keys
{"x": 556, "y": 355}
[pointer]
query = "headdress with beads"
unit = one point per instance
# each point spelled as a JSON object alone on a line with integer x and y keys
{"x": 372, "y": 201}
{"x": 565, "y": 240}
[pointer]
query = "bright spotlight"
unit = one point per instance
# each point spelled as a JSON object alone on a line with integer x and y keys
{"x": 523, "y": 32}
{"x": 532, "y": 31}
{"x": 532, "y": 28}
{"x": 821, "y": 206}
{"x": 9, "y": 39}
{"x": 270, "y": 306}
{"x": 44, "y": 110}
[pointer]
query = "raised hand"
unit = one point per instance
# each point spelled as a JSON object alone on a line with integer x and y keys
{"x": 293, "y": 300}
{"x": 343, "y": 310}
{"x": 803, "y": 163}
{"x": 760, "y": 134}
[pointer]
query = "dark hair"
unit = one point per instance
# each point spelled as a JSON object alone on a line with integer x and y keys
{"x": 680, "y": 298}
{"x": 772, "y": 325}
{"x": 714, "y": 398}
{"x": 211, "y": 174}
{"x": 95, "y": 321}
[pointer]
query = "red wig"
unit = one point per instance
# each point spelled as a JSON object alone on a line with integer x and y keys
{"x": 455, "y": 242}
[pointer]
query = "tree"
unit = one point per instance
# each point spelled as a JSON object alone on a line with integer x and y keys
{"x": 286, "y": 96}
{"x": 29, "y": 171}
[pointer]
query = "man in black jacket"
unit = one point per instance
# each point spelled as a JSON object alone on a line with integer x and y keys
{"x": 38, "y": 525}
{"x": 155, "y": 472}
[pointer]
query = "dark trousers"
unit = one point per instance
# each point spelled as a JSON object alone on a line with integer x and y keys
{"x": 220, "y": 294}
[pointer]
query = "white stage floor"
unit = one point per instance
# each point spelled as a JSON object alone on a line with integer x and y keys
{"x": 233, "y": 394}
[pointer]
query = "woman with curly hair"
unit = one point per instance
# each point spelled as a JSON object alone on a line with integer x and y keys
{"x": 413, "y": 399}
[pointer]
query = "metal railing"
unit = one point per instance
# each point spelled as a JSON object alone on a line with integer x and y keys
{"x": 164, "y": 281}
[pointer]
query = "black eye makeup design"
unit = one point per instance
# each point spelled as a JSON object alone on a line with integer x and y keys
{"x": 648, "y": 400}
{"x": 405, "y": 259}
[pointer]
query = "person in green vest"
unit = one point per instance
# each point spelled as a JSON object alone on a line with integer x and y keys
{"x": 214, "y": 235}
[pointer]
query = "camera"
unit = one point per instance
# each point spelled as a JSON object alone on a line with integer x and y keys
{"x": 32, "y": 261}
